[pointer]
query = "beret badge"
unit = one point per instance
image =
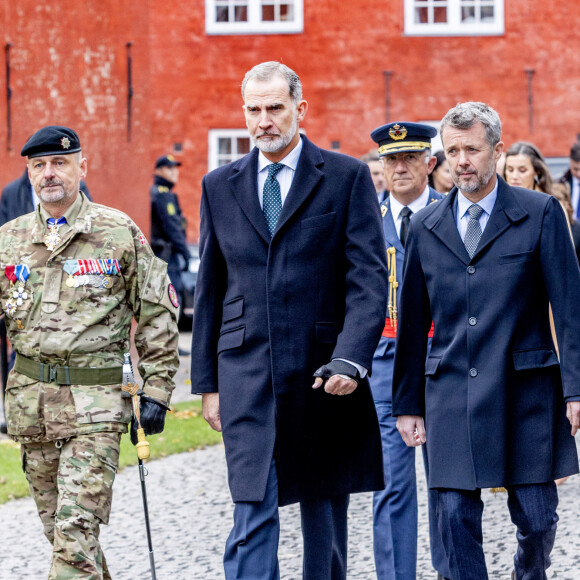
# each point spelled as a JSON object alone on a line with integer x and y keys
{"x": 65, "y": 142}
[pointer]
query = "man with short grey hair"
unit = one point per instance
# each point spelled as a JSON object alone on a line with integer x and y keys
{"x": 292, "y": 284}
{"x": 492, "y": 400}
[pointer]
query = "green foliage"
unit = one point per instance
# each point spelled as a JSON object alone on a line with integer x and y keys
{"x": 185, "y": 430}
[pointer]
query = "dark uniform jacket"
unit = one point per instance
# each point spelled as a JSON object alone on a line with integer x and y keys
{"x": 492, "y": 390}
{"x": 268, "y": 313}
{"x": 167, "y": 222}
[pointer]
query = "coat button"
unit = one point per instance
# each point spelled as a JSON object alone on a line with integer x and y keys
{"x": 473, "y": 372}
{"x": 473, "y": 321}
{"x": 471, "y": 269}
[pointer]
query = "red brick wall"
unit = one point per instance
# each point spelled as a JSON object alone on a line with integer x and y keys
{"x": 340, "y": 58}
{"x": 69, "y": 66}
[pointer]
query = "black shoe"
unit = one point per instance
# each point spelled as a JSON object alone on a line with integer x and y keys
{"x": 183, "y": 352}
{"x": 3, "y": 427}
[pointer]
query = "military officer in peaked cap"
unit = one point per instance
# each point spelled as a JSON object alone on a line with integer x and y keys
{"x": 405, "y": 152}
{"x": 74, "y": 276}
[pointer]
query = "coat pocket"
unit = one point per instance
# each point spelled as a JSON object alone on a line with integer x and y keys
{"x": 233, "y": 309}
{"x": 432, "y": 365}
{"x": 231, "y": 339}
{"x": 319, "y": 222}
{"x": 516, "y": 257}
{"x": 535, "y": 358}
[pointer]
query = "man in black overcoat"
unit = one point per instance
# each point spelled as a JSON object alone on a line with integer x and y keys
{"x": 292, "y": 278}
{"x": 492, "y": 399}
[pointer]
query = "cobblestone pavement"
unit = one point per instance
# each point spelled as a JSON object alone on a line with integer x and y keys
{"x": 191, "y": 512}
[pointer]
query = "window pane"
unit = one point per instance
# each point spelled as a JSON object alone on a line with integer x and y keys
{"x": 421, "y": 15}
{"x": 487, "y": 14}
{"x": 468, "y": 14}
{"x": 241, "y": 13}
{"x": 267, "y": 13}
{"x": 223, "y": 162}
{"x": 221, "y": 14}
{"x": 286, "y": 12}
{"x": 243, "y": 145}
{"x": 224, "y": 146}
{"x": 440, "y": 15}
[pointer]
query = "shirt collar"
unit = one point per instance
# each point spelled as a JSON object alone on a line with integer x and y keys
{"x": 70, "y": 214}
{"x": 414, "y": 206}
{"x": 487, "y": 203}
{"x": 291, "y": 160}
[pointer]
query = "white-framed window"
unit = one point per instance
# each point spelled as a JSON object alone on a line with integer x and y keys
{"x": 227, "y": 145}
{"x": 454, "y": 17}
{"x": 254, "y": 16}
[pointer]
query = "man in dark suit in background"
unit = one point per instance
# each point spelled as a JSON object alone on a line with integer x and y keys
{"x": 572, "y": 178}
{"x": 406, "y": 162}
{"x": 292, "y": 282}
{"x": 492, "y": 399}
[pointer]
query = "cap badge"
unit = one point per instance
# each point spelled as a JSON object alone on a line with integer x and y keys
{"x": 65, "y": 142}
{"x": 396, "y": 132}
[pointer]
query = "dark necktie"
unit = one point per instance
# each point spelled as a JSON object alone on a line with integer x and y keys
{"x": 405, "y": 219}
{"x": 272, "y": 198}
{"x": 473, "y": 232}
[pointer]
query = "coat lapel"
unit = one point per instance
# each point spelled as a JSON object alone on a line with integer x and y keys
{"x": 305, "y": 180}
{"x": 442, "y": 224}
{"x": 507, "y": 210}
{"x": 244, "y": 186}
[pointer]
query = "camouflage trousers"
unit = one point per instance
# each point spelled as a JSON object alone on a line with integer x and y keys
{"x": 72, "y": 486}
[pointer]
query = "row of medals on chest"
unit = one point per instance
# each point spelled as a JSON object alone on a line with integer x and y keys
{"x": 93, "y": 273}
{"x": 76, "y": 278}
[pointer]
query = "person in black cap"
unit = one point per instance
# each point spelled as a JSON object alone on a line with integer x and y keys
{"x": 76, "y": 274}
{"x": 405, "y": 153}
{"x": 168, "y": 223}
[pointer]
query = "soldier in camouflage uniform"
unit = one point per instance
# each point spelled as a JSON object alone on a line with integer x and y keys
{"x": 70, "y": 291}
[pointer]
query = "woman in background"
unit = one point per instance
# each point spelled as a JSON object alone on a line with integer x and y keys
{"x": 525, "y": 167}
{"x": 440, "y": 178}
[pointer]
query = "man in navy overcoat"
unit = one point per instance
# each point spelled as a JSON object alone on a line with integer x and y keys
{"x": 492, "y": 399}
{"x": 405, "y": 151}
{"x": 292, "y": 278}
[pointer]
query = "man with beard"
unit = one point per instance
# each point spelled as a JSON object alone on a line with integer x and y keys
{"x": 292, "y": 283}
{"x": 75, "y": 276}
{"x": 492, "y": 399}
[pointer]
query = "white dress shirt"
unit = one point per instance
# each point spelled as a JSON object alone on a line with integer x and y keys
{"x": 414, "y": 206}
{"x": 463, "y": 204}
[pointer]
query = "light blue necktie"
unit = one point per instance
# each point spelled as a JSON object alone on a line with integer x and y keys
{"x": 272, "y": 198}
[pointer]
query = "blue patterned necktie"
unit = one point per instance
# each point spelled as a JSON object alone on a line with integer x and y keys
{"x": 473, "y": 232}
{"x": 272, "y": 198}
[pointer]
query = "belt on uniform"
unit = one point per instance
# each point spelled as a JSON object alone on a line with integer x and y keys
{"x": 390, "y": 332}
{"x": 64, "y": 375}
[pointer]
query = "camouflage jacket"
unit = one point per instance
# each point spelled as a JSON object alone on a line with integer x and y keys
{"x": 58, "y": 318}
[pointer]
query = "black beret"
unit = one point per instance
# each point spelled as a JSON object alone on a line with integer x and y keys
{"x": 399, "y": 137}
{"x": 52, "y": 140}
{"x": 167, "y": 161}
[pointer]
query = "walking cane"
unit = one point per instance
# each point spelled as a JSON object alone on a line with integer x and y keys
{"x": 133, "y": 390}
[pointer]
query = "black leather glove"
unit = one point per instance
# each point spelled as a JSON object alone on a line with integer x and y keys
{"x": 152, "y": 417}
{"x": 338, "y": 367}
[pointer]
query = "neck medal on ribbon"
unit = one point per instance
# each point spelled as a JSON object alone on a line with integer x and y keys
{"x": 17, "y": 275}
{"x": 53, "y": 239}
{"x": 95, "y": 273}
